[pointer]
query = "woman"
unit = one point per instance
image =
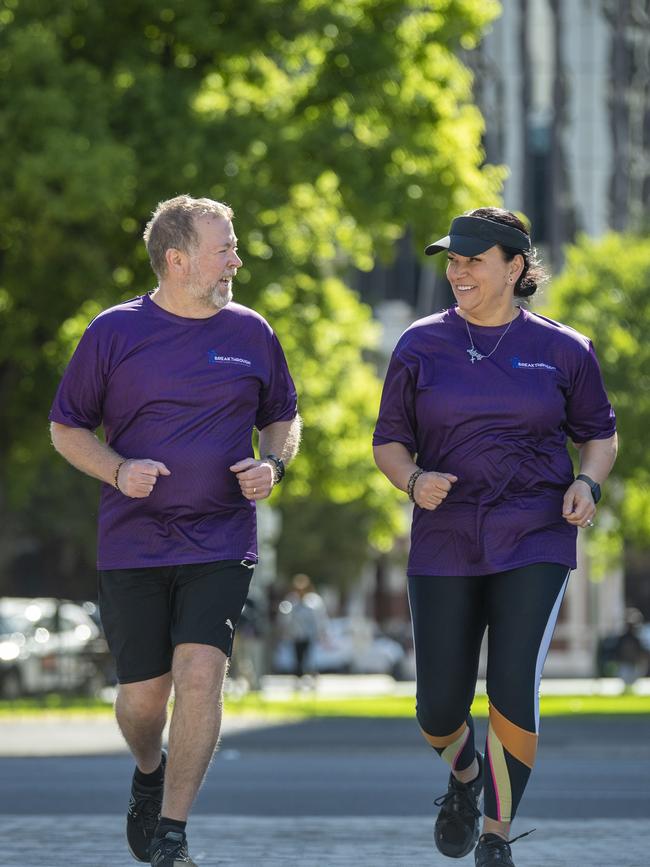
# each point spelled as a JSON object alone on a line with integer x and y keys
{"x": 477, "y": 406}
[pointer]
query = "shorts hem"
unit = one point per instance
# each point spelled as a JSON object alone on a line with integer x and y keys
{"x": 138, "y": 678}
{"x": 227, "y": 651}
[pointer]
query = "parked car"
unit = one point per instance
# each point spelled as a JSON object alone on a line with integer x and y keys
{"x": 50, "y": 645}
{"x": 350, "y": 646}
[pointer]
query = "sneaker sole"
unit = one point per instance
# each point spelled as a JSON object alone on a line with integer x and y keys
{"x": 135, "y": 857}
{"x": 469, "y": 848}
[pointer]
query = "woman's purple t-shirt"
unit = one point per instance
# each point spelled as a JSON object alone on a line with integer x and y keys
{"x": 501, "y": 426}
{"x": 186, "y": 392}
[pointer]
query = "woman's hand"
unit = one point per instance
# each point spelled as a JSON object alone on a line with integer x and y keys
{"x": 578, "y": 507}
{"x": 430, "y": 489}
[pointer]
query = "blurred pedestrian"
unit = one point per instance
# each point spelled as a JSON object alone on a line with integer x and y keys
{"x": 630, "y": 654}
{"x": 478, "y": 403}
{"x": 248, "y": 660}
{"x": 178, "y": 378}
{"x": 304, "y": 620}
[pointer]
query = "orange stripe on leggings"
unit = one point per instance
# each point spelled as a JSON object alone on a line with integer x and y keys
{"x": 441, "y": 742}
{"x": 520, "y": 743}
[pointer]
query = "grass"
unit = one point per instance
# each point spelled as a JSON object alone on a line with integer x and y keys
{"x": 54, "y": 704}
{"x": 306, "y": 706}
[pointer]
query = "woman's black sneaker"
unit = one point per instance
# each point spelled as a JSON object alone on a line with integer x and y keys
{"x": 170, "y": 851}
{"x": 494, "y": 851}
{"x": 457, "y": 825}
{"x": 142, "y": 817}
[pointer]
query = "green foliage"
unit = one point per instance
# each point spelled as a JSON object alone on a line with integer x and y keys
{"x": 330, "y": 125}
{"x": 604, "y": 292}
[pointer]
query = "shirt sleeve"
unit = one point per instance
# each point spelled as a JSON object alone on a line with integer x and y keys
{"x": 79, "y": 399}
{"x": 589, "y": 414}
{"x": 278, "y": 399}
{"x": 396, "y": 422}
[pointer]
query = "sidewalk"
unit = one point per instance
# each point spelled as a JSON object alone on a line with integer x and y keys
{"x": 382, "y": 684}
{"x": 234, "y": 841}
{"x": 88, "y": 735}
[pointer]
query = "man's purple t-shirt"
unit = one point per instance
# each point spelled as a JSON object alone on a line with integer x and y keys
{"x": 186, "y": 392}
{"x": 501, "y": 426}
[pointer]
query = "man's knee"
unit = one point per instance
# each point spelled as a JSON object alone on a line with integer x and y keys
{"x": 198, "y": 668}
{"x": 145, "y": 699}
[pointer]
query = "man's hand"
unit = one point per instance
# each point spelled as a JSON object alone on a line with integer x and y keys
{"x": 578, "y": 507}
{"x": 255, "y": 478}
{"x": 137, "y": 477}
{"x": 431, "y": 489}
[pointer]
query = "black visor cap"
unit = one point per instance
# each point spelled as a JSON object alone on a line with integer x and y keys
{"x": 469, "y": 236}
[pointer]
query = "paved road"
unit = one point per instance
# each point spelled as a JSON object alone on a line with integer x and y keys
{"x": 337, "y": 793}
{"x": 587, "y": 768}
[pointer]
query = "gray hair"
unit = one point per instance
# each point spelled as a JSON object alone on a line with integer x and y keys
{"x": 172, "y": 226}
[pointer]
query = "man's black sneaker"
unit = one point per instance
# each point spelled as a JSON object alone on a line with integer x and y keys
{"x": 457, "y": 825}
{"x": 494, "y": 851}
{"x": 143, "y": 815}
{"x": 170, "y": 851}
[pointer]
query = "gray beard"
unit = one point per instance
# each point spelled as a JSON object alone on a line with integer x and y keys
{"x": 219, "y": 299}
{"x": 213, "y": 298}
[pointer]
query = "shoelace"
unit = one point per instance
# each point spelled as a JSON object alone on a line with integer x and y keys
{"x": 461, "y": 798}
{"x": 147, "y": 809}
{"x": 502, "y": 847}
{"x": 171, "y": 844}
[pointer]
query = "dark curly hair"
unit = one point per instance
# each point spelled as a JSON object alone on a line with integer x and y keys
{"x": 533, "y": 274}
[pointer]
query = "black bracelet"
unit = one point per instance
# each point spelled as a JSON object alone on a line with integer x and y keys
{"x": 278, "y": 468}
{"x": 411, "y": 483}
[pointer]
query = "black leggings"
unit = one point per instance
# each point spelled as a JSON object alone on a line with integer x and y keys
{"x": 450, "y": 614}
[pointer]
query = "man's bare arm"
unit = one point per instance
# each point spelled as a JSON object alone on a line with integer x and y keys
{"x": 135, "y": 477}
{"x": 280, "y": 438}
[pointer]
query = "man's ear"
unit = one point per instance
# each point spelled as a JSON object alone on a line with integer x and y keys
{"x": 176, "y": 261}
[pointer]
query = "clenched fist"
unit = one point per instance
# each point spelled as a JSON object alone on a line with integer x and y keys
{"x": 255, "y": 478}
{"x": 430, "y": 489}
{"x": 137, "y": 477}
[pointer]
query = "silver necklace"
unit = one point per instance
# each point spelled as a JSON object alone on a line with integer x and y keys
{"x": 474, "y": 354}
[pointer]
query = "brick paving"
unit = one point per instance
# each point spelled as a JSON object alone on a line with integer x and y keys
{"x": 234, "y": 841}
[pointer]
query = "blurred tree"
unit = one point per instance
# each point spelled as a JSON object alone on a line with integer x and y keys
{"x": 330, "y": 125}
{"x": 604, "y": 292}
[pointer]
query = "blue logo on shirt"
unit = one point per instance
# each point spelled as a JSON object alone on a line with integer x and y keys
{"x": 518, "y": 364}
{"x": 215, "y": 357}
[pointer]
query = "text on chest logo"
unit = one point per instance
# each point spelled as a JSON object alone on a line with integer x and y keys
{"x": 215, "y": 357}
{"x": 516, "y": 362}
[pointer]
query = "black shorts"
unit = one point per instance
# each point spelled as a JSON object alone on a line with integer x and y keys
{"x": 147, "y": 612}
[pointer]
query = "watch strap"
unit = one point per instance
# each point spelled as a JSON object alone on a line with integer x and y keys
{"x": 278, "y": 468}
{"x": 594, "y": 486}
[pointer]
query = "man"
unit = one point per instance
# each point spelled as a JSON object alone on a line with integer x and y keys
{"x": 178, "y": 378}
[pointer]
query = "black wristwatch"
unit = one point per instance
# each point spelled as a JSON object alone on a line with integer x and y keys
{"x": 594, "y": 486}
{"x": 278, "y": 468}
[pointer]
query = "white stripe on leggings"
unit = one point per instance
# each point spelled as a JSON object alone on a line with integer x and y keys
{"x": 544, "y": 646}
